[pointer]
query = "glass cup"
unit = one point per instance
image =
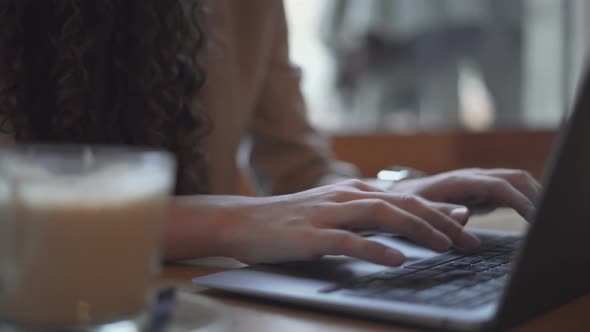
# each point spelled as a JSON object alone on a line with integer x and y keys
{"x": 80, "y": 235}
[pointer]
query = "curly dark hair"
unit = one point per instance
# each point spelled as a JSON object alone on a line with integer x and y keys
{"x": 106, "y": 72}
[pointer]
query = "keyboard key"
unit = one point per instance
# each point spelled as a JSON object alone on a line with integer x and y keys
{"x": 446, "y": 288}
{"x": 456, "y": 274}
{"x": 466, "y": 282}
{"x": 501, "y": 259}
{"x": 408, "y": 283}
{"x": 498, "y": 271}
{"x": 507, "y": 266}
{"x": 434, "y": 292}
{"x": 434, "y": 261}
{"x": 443, "y": 268}
{"x": 492, "y": 253}
{"x": 483, "y": 288}
{"x": 421, "y": 274}
{"x": 469, "y": 260}
{"x": 424, "y": 296}
{"x": 477, "y": 268}
{"x": 481, "y": 300}
{"x": 478, "y": 257}
{"x": 457, "y": 265}
{"x": 488, "y": 264}
{"x": 488, "y": 275}
{"x": 392, "y": 273}
{"x": 499, "y": 282}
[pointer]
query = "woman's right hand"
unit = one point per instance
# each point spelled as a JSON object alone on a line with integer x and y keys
{"x": 312, "y": 223}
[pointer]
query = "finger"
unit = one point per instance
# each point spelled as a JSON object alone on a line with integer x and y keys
{"x": 502, "y": 191}
{"x": 437, "y": 215}
{"x": 459, "y": 213}
{"x": 521, "y": 180}
{"x": 468, "y": 241}
{"x": 443, "y": 222}
{"x": 516, "y": 173}
{"x": 339, "y": 242}
{"x": 411, "y": 202}
{"x": 378, "y": 214}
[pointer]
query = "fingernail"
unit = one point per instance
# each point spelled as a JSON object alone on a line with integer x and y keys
{"x": 460, "y": 213}
{"x": 394, "y": 257}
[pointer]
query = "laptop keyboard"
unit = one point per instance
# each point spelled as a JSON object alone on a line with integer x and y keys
{"x": 452, "y": 279}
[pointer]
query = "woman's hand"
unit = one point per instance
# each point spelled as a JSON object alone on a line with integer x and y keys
{"x": 478, "y": 189}
{"x": 312, "y": 223}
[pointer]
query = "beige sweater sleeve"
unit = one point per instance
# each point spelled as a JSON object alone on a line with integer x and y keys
{"x": 288, "y": 155}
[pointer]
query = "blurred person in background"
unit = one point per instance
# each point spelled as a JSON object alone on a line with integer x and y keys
{"x": 403, "y": 59}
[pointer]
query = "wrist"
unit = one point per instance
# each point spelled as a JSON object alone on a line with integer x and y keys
{"x": 399, "y": 173}
{"x": 392, "y": 177}
{"x": 195, "y": 229}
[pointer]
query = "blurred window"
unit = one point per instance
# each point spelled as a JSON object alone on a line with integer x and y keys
{"x": 416, "y": 65}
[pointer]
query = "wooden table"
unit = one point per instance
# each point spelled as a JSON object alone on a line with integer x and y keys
{"x": 248, "y": 314}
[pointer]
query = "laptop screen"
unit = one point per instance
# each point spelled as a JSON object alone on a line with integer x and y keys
{"x": 553, "y": 264}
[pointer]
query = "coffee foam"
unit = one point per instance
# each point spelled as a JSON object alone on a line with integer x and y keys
{"x": 111, "y": 184}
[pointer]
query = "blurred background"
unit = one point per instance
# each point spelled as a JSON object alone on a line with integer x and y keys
{"x": 439, "y": 84}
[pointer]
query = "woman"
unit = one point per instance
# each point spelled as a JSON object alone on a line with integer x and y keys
{"x": 125, "y": 72}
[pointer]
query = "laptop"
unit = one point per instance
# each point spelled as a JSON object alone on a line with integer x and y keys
{"x": 511, "y": 278}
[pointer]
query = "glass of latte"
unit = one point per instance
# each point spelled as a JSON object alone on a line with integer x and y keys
{"x": 80, "y": 235}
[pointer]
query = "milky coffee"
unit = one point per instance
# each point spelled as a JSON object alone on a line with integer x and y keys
{"x": 80, "y": 249}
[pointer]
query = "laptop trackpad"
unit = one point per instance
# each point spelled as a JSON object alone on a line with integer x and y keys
{"x": 342, "y": 268}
